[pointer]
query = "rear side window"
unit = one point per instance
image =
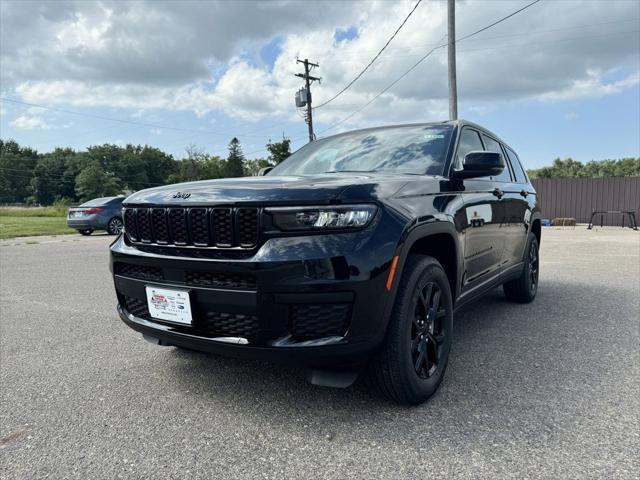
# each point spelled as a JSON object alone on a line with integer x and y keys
{"x": 469, "y": 141}
{"x": 492, "y": 146}
{"x": 521, "y": 176}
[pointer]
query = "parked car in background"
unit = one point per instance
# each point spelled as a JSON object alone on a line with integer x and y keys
{"x": 97, "y": 214}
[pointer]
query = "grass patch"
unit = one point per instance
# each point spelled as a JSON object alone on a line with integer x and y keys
{"x": 55, "y": 211}
{"x": 16, "y": 226}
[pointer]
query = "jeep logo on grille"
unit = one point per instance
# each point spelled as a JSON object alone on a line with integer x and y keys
{"x": 181, "y": 195}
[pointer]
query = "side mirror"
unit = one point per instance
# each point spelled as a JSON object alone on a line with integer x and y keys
{"x": 263, "y": 171}
{"x": 481, "y": 164}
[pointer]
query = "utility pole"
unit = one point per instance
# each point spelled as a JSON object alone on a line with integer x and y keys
{"x": 453, "y": 89}
{"x": 305, "y": 100}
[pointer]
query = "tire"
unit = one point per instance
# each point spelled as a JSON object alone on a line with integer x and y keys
{"x": 114, "y": 227}
{"x": 419, "y": 333}
{"x": 524, "y": 288}
{"x": 85, "y": 232}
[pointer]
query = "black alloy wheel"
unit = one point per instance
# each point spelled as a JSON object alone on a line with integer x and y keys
{"x": 524, "y": 288}
{"x": 412, "y": 362}
{"x": 427, "y": 334}
{"x": 533, "y": 266}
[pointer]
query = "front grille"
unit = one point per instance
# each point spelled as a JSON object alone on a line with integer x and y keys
{"x": 220, "y": 279}
{"x": 144, "y": 224}
{"x": 211, "y": 324}
{"x": 247, "y": 226}
{"x": 130, "y": 222}
{"x": 138, "y": 271}
{"x": 137, "y": 307}
{"x": 217, "y": 227}
{"x": 160, "y": 227}
{"x": 228, "y": 324}
{"x": 222, "y": 223}
{"x": 319, "y": 320}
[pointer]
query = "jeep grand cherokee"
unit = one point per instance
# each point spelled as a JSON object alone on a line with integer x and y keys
{"x": 350, "y": 256}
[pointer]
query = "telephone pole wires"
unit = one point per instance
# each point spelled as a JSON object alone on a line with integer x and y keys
{"x": 453, "y": 89}
{"x": 303, "y": 96}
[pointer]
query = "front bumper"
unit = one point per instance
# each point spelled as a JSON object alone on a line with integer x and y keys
{"x": 297, "y": 299}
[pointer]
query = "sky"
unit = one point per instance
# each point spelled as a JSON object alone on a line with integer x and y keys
{"x": 560, "y": 79}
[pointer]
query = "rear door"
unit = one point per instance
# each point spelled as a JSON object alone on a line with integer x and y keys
{"x": 483, "y": 243}
{"x": 517, "y": 196}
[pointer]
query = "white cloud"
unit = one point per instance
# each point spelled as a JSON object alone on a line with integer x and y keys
{"x": 203, "y": 57}
{"x": 29, "y": 122}
{"x": 592, "y": 86}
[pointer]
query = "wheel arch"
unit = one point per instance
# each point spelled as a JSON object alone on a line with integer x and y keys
{"x": 536, "y": 229}
{"x": 437, "y": 239}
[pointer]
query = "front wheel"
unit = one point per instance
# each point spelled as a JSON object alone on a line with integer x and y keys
{"x": 114, "y": 227}
{"x": 413, "y": 359}
{"x": 524, "y": 288}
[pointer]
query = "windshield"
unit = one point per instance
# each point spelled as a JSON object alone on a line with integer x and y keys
{"x": 412, "y": 149}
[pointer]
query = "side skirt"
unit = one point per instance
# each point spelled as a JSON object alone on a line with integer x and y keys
{"x": 510, "y": 273}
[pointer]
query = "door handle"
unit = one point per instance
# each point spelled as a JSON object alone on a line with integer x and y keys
{"x": 524, "y": 193}
{"x": 498, "y": 193}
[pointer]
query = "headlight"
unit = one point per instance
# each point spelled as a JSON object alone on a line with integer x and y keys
{"x": 316, "y": 218}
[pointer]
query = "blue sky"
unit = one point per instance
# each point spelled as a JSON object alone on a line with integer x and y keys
{"x": 550, "y": 84}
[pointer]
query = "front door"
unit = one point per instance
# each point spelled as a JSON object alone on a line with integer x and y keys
{"x": 483, "y": 214}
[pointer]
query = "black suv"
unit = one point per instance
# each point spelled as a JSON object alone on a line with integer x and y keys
{"x": 351, "y": 255}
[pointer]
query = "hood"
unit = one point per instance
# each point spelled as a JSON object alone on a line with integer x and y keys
{"x": 320, "y": 189}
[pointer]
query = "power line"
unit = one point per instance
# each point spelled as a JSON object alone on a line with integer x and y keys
{"x": 497, "y": 21}
{"x": 527, "y": 44}
{"x": 423, "y": 58}
{"x": 391, "y": 52}
{"x": 373, "y": 59}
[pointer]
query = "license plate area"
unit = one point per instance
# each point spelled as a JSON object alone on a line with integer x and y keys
{"x": 169, "y": 304}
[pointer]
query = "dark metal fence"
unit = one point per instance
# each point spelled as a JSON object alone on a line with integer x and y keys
{"x": 578, "y": 197}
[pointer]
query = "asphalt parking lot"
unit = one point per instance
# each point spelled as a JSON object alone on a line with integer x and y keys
{"x": 546, "y": 390}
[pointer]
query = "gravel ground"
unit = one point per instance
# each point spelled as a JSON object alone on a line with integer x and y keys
{"x": 546, "y": 390}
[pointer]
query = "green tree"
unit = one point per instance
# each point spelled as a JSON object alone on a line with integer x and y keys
{"x": 278, "y": 151}
{"x": 197, "y": 166}
{"x": 47, "y": 183}
{"x": 253, "y": 167}
{"x": 93, "y": 182}
{"x": 624, "y": 167}
{"x": 16, "y": 171}
{"x": 234, "y": 166}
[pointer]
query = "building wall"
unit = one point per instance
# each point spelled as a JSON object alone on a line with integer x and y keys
{"x": 578, "y": 197}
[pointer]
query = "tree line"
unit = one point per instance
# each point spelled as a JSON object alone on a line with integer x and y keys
{"x": 69, "y": 176}
{"x": 569, "y": 168}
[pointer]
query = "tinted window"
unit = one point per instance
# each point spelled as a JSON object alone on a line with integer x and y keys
{"x": 412, "y": 149}
{"x": 469, "y": 141}
{"x": 521, "y": 176}
{"x": 492, "y": 146}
